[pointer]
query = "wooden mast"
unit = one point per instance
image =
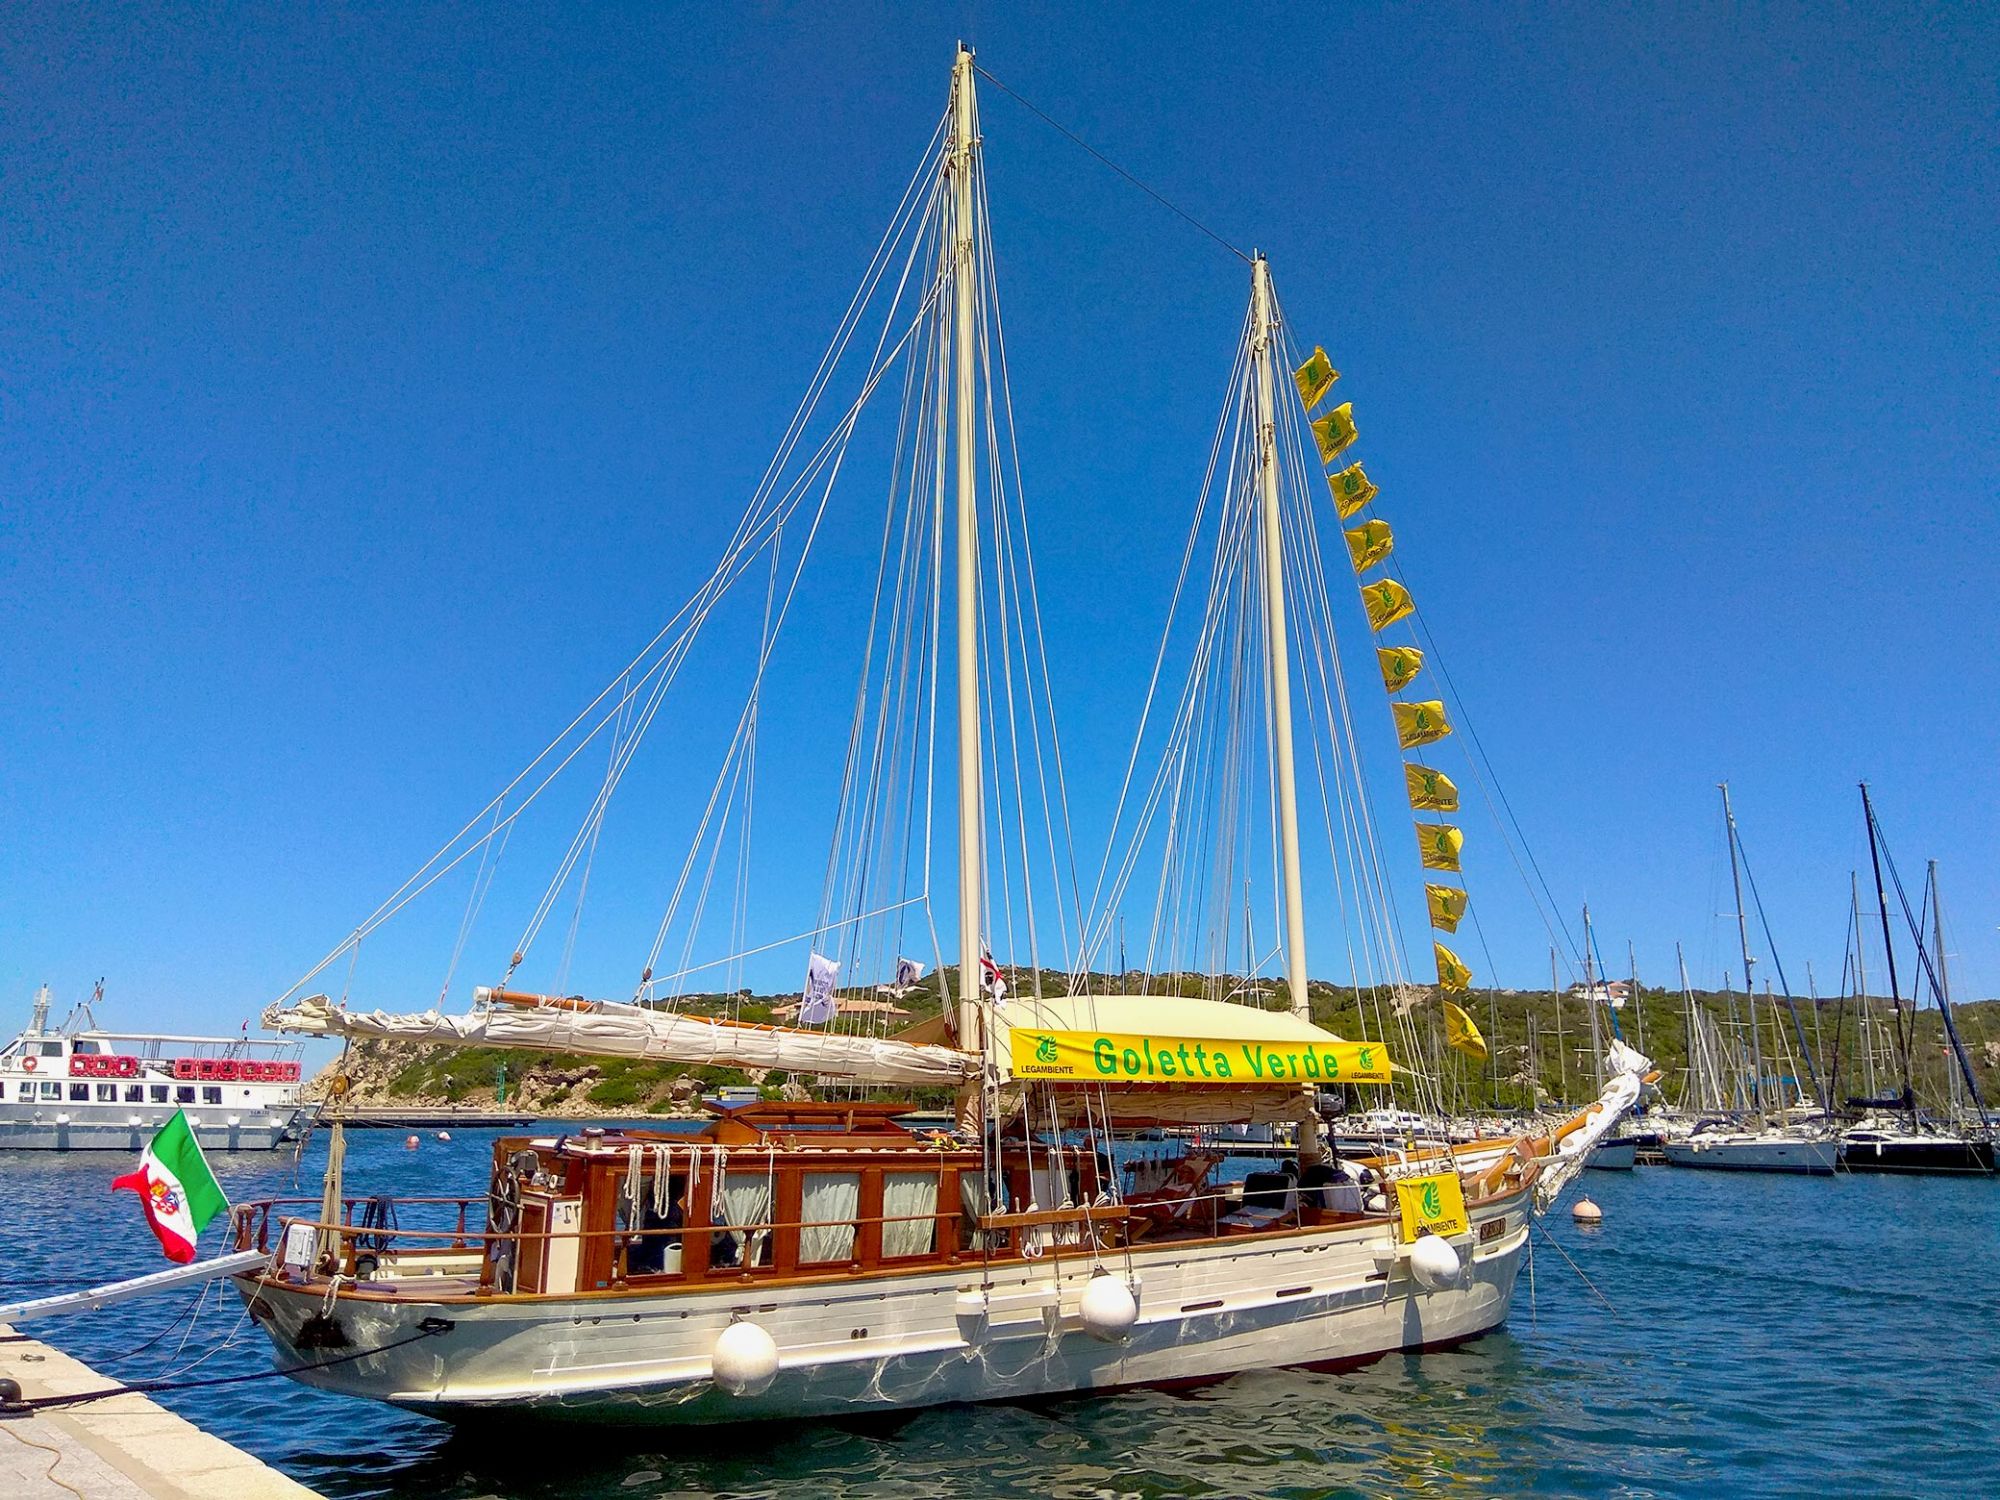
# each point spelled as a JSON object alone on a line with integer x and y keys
{"x": 971, "y": 823}
{"x": 1264, "y": 354}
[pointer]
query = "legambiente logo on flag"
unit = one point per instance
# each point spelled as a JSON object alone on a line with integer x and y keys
{"x": 176, "y": 1188}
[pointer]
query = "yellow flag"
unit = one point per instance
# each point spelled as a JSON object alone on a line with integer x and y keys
{"x": 1439, "y": 844}
{"x": 1430, "y": 791}
{"x": 1369, "y": 543}
{"x": 1387, "y": 602}
{"x": 1447, "y": 904}
{"x": 1432, "y": 1205}
{"x": 1352, "y": 489}
{"x": 1315, "y": 378}
{"x": 1335, "y": 431}
{"x": 1459, "y": 1031}
{"x": 1419, "y": 723}
{"x": 1452, "y": 974}
{"x": 1400, "y": 665}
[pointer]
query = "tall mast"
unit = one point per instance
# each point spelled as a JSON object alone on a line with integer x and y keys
{"x": 1743, "y": 940}
{"x": 1943, "y": 982}
{"x": 1265, "y": 353}
{"x": 1590, "y": 999}
{"x": 971, "y": 822}
{"x": 1693, "y": 1036}
{"x": 1889, "y": 952}
{"x": 1861, "y": 984}
{"x": 1562, "y": 1062}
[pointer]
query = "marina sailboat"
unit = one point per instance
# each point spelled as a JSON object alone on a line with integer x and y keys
{"x": 805, "y": 1256}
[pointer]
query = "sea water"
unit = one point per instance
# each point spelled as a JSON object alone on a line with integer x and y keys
{"x": 1721, "y": 1334}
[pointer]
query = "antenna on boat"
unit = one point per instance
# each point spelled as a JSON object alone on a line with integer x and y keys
{"x": 1278, "y": 650}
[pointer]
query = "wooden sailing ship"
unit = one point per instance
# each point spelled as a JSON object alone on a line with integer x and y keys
{"x": 831, "y": 1256}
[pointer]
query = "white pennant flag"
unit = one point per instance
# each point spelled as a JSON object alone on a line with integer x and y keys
{"x": 996, "y": 982}
{"x": 817, "y": 1005}
{"x": 908, "y": 972}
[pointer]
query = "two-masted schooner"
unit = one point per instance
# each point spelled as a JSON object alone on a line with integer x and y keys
{"x": 833, "y": 1255}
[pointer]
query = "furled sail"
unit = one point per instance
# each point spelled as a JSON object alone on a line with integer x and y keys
{"x": 612, "y": 1029}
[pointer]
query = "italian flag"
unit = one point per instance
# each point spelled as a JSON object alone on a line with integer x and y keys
{"x": 179, "y": 1193}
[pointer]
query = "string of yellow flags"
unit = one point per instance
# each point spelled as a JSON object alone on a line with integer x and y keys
{"x": 1419, "y": 722}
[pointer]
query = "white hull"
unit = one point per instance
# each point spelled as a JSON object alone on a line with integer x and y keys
{"x": 1317, "y": 1297}
{"x": 1754, "y": 1153}
{"x": 115, "y": 1127}
{"x": 1614, "y": 1156}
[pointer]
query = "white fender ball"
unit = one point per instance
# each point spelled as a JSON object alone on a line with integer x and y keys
{"x": 1108, "y": 1308}
{"x": 1586, "y": 1212}
{"x": 1434, "y": 1263}
{"x": 745, "y": 1359}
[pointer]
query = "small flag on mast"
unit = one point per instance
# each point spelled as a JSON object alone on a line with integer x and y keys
{"x": 818, "y": 1005}
{"x": 175, "y": 1187}
{"x": 995, "y": 981}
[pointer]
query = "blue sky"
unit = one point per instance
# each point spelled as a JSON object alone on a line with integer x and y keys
{"x": 374, "y": 381}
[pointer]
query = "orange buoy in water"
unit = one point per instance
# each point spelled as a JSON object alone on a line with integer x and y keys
{"x": 1586, "y": 1212}
{"x": 410, "y": 1144}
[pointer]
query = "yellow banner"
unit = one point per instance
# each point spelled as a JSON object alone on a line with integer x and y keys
{"x": 1115, "y": 1057}
{"x": 1335, "y": 431}
{"x": 1315, "y": 378}
{"x": 1369, "y": 543}
{"x": 1420, "y": 723}
{"x": 1447, "y": 906}
{"x": 1400, "y": 665}
{"x": 1438, "y": 844}
{"x": 1433, "y": 1204}
{"x": 1459, "y": 1031}
{"x": 1452, "y": 972}
{"x": 1352, "y": 489}
{"x": 1386, "y": 602}
{"x": 1430, "y": 791}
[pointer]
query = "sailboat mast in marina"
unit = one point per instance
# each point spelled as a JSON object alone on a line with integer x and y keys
{"x": 796, "y": 1256}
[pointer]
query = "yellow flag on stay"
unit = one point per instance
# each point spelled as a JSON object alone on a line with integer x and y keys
{"x": 1335, "y": 432}
{"x": 1459, "y": 1031}
{"x": 1387, "y": 602}
{"x": 1430, "y": 791}
{"x": 1452, "y": 972}
{"x": 1447, "y": 906}
{"x": 1315, "y": 378}
{"x": 1352, "y": 489}
{"x": 1368, "y": 544}
{"x": 1420, "y": 723}
{"x": 1439, "y": 844}
{"x": 1400, "y": 665}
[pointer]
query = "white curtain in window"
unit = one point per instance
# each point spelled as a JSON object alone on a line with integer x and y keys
{"x": 908, "y": 1193}
{"x": 832, "y": 1199}
{"x": 746, "y": 1199}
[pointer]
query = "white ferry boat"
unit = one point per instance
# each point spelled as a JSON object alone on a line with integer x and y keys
{"x": 78, "y": 1087}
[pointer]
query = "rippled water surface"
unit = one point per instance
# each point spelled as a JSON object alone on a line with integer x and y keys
{"x": 1745, "y": 1336}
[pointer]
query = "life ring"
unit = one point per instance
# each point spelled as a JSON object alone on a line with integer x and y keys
{"x": 128, "y": 1067}
{"x": 79, "y": 1065}
{"x": 30, "y": 1063}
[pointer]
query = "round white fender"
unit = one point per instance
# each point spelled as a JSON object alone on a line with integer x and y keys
{"x": 1434, "y": 1263}
{"x": 1108, "y": 1308}
{"x": 745, "y": 1359}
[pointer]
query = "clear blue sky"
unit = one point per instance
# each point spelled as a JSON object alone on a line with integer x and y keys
{"x": 372, "y": 380}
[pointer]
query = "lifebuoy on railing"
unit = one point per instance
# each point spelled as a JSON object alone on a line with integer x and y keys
{"x": 184, "y": 1068}
{"x": 128, "y": 1067}
{"x": 30, "y": 1063}
{"x": 79, "y": 1065}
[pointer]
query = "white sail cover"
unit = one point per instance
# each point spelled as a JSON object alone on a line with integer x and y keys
{"x": 1621, "y": 1092}
{"x": 612, "y": 1029}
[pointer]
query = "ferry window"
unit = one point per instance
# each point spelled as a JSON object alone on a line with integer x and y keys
{"x": 184, "y": 1095}
{"x": 90, "y": 1047}
{"x": 52, "y": 1049}
{"x": 746, "y": 1199}
{"x": 52, "y": 1091}
{"x": 135, "y": 1093}
{"x": 107, "y": 1093}
{"x": 826, "y": 1216}
{"x": 157, "y": 1092}
{"x": 903, "y": 1194}
{"x": 3, "y": 1089}
{"x": 211, "y": 1096}
{"x": 79, "y": 1091}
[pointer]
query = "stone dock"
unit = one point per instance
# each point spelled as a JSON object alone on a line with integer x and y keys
{"x": 123, "y": 1447}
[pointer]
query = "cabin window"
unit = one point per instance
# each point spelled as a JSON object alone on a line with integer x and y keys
{"x": 653, "y": 1251}
{"x": 211, "y": 1096}
{"x": 904, "y": 1196}
{"x": 826, "y": 1216}
{"x": 746, "y": 1199}
{"x": 135, "y": 1093}
{"x": 107, "y": 1093}
{"x": 79, "y": 1093}
{"x": 52, "y": 1091}
{"x": 157, "y": 1092}
{"x": 3, "y": 1089}
{"x": 52, "y": 1049}
{"x": 184, "y": 1094}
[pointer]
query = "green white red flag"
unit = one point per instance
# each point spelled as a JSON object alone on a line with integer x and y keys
{"x": 176, "y": 1188}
